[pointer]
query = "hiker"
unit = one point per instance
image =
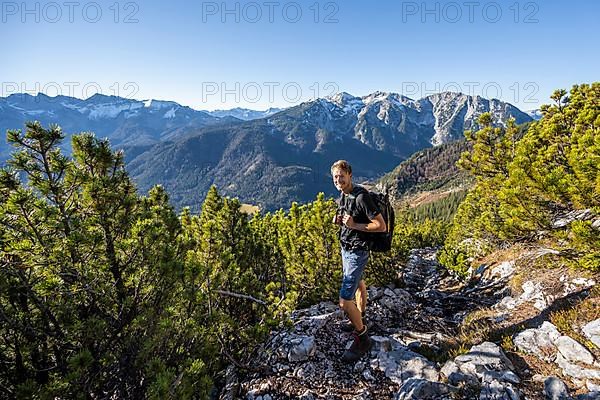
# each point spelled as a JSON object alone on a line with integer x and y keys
{"x": 357, "y": 214}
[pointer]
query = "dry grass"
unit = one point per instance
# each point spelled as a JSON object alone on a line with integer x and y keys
{"x": 477, "y": 315}
{"x": 476, "y": 328}
{"x": 514, "y": 252}
{"x": 516, "y": 282}
{"x": 569, "y": 322}
{"x": 444, "y": 351}
{"x": 529, "y": 366}
{"x": 428, "y": 197}
{"x": 458, "y": 350}
{"x": 537, "y": 366}
{"x": 531, "y": 264}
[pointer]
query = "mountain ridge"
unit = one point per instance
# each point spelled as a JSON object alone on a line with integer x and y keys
{"x": 284, "y": 156}
{"x": 287, "y": 155}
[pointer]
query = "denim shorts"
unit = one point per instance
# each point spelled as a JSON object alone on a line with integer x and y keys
{"x": 353, "y": 262}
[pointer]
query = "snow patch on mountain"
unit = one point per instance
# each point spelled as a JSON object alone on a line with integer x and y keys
{"x": 170, "y": 113}
{"x": 244, "y": 113}
{"x": 347, "y": 102}
{"x": 108, "y": 110}
{"x": 72, "y": 106}
{"x": 37, "y": 112}
{"x": 159, "y": 104}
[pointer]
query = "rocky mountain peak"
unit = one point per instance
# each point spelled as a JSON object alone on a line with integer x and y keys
{"x": 102, "y": 98}
{"x": 342, "y": 98}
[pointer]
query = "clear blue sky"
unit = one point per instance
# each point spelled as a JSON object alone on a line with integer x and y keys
{"x": 211, "y": 55}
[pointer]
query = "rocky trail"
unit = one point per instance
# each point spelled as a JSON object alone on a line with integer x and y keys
{"x": 419, "y": 341}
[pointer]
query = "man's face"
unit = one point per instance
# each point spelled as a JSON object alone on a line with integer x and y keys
{"x": 342, "y": 180}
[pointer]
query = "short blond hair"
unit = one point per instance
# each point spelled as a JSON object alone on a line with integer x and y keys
{"x": 343, "y": 165}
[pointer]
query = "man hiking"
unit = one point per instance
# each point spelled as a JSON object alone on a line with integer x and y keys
{"x": 358, "y": 215}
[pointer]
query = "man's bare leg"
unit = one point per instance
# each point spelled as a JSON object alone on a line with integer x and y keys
{"x": 350, "y": 308}
{"x": 361, "y": 297}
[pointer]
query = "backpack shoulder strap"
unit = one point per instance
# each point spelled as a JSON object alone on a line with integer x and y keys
{"x": 360, "y": 190}
{"x": 351, "y": 198}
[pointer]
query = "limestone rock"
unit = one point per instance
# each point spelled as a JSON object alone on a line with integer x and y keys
{"x": 401, "y": 364}
{"x": 298, "y": 348}
{"x": 555, "y": 389}
{"x": 421, "y": 389}
{"x": 573, "y": 351}
{"x": 592, "y": 387}
{"x": 486, "y": 354}
{"x": 539, "y": 341}
{"x": 496, "y": 390}
{"x": 398, "y": 301}
{"x": 592, "y": 331}
{"x": 576, "y": 371}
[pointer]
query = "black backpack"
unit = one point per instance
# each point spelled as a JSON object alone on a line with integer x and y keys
{"x": 381, "y": 241}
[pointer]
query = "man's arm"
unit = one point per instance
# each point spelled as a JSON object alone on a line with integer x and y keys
{"x": 366, "y": 205}
{"x": 377, "y": 224}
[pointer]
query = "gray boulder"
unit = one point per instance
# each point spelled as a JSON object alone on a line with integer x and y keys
{"x": 489, "y": 365}
{"x": 487, "y": 355}
{"x": 539, "y": 341}
{"x": 555, "y": 389}
{"x": 496, "y": 390}
{"x": 401, "y": 364}
{"x": 421, "y": 389}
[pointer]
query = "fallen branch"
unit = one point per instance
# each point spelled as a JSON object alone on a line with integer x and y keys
{"x": 241, "y": 296}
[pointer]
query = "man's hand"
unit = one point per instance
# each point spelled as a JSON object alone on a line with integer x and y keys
{"x": 348, "y": 221}
{"x": 337, "y": 219}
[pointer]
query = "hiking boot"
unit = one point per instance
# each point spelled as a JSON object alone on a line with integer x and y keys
{"x": 361, "y": 346}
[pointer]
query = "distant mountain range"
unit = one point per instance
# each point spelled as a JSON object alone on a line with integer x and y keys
{"x": 244, "y": 114}
{"x": 535, "y": 114}
{"x": 269, "y": 161}
{"x": 123, "y": 121}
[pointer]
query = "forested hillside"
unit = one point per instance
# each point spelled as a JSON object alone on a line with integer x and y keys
{"x": 544, "y": 186}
